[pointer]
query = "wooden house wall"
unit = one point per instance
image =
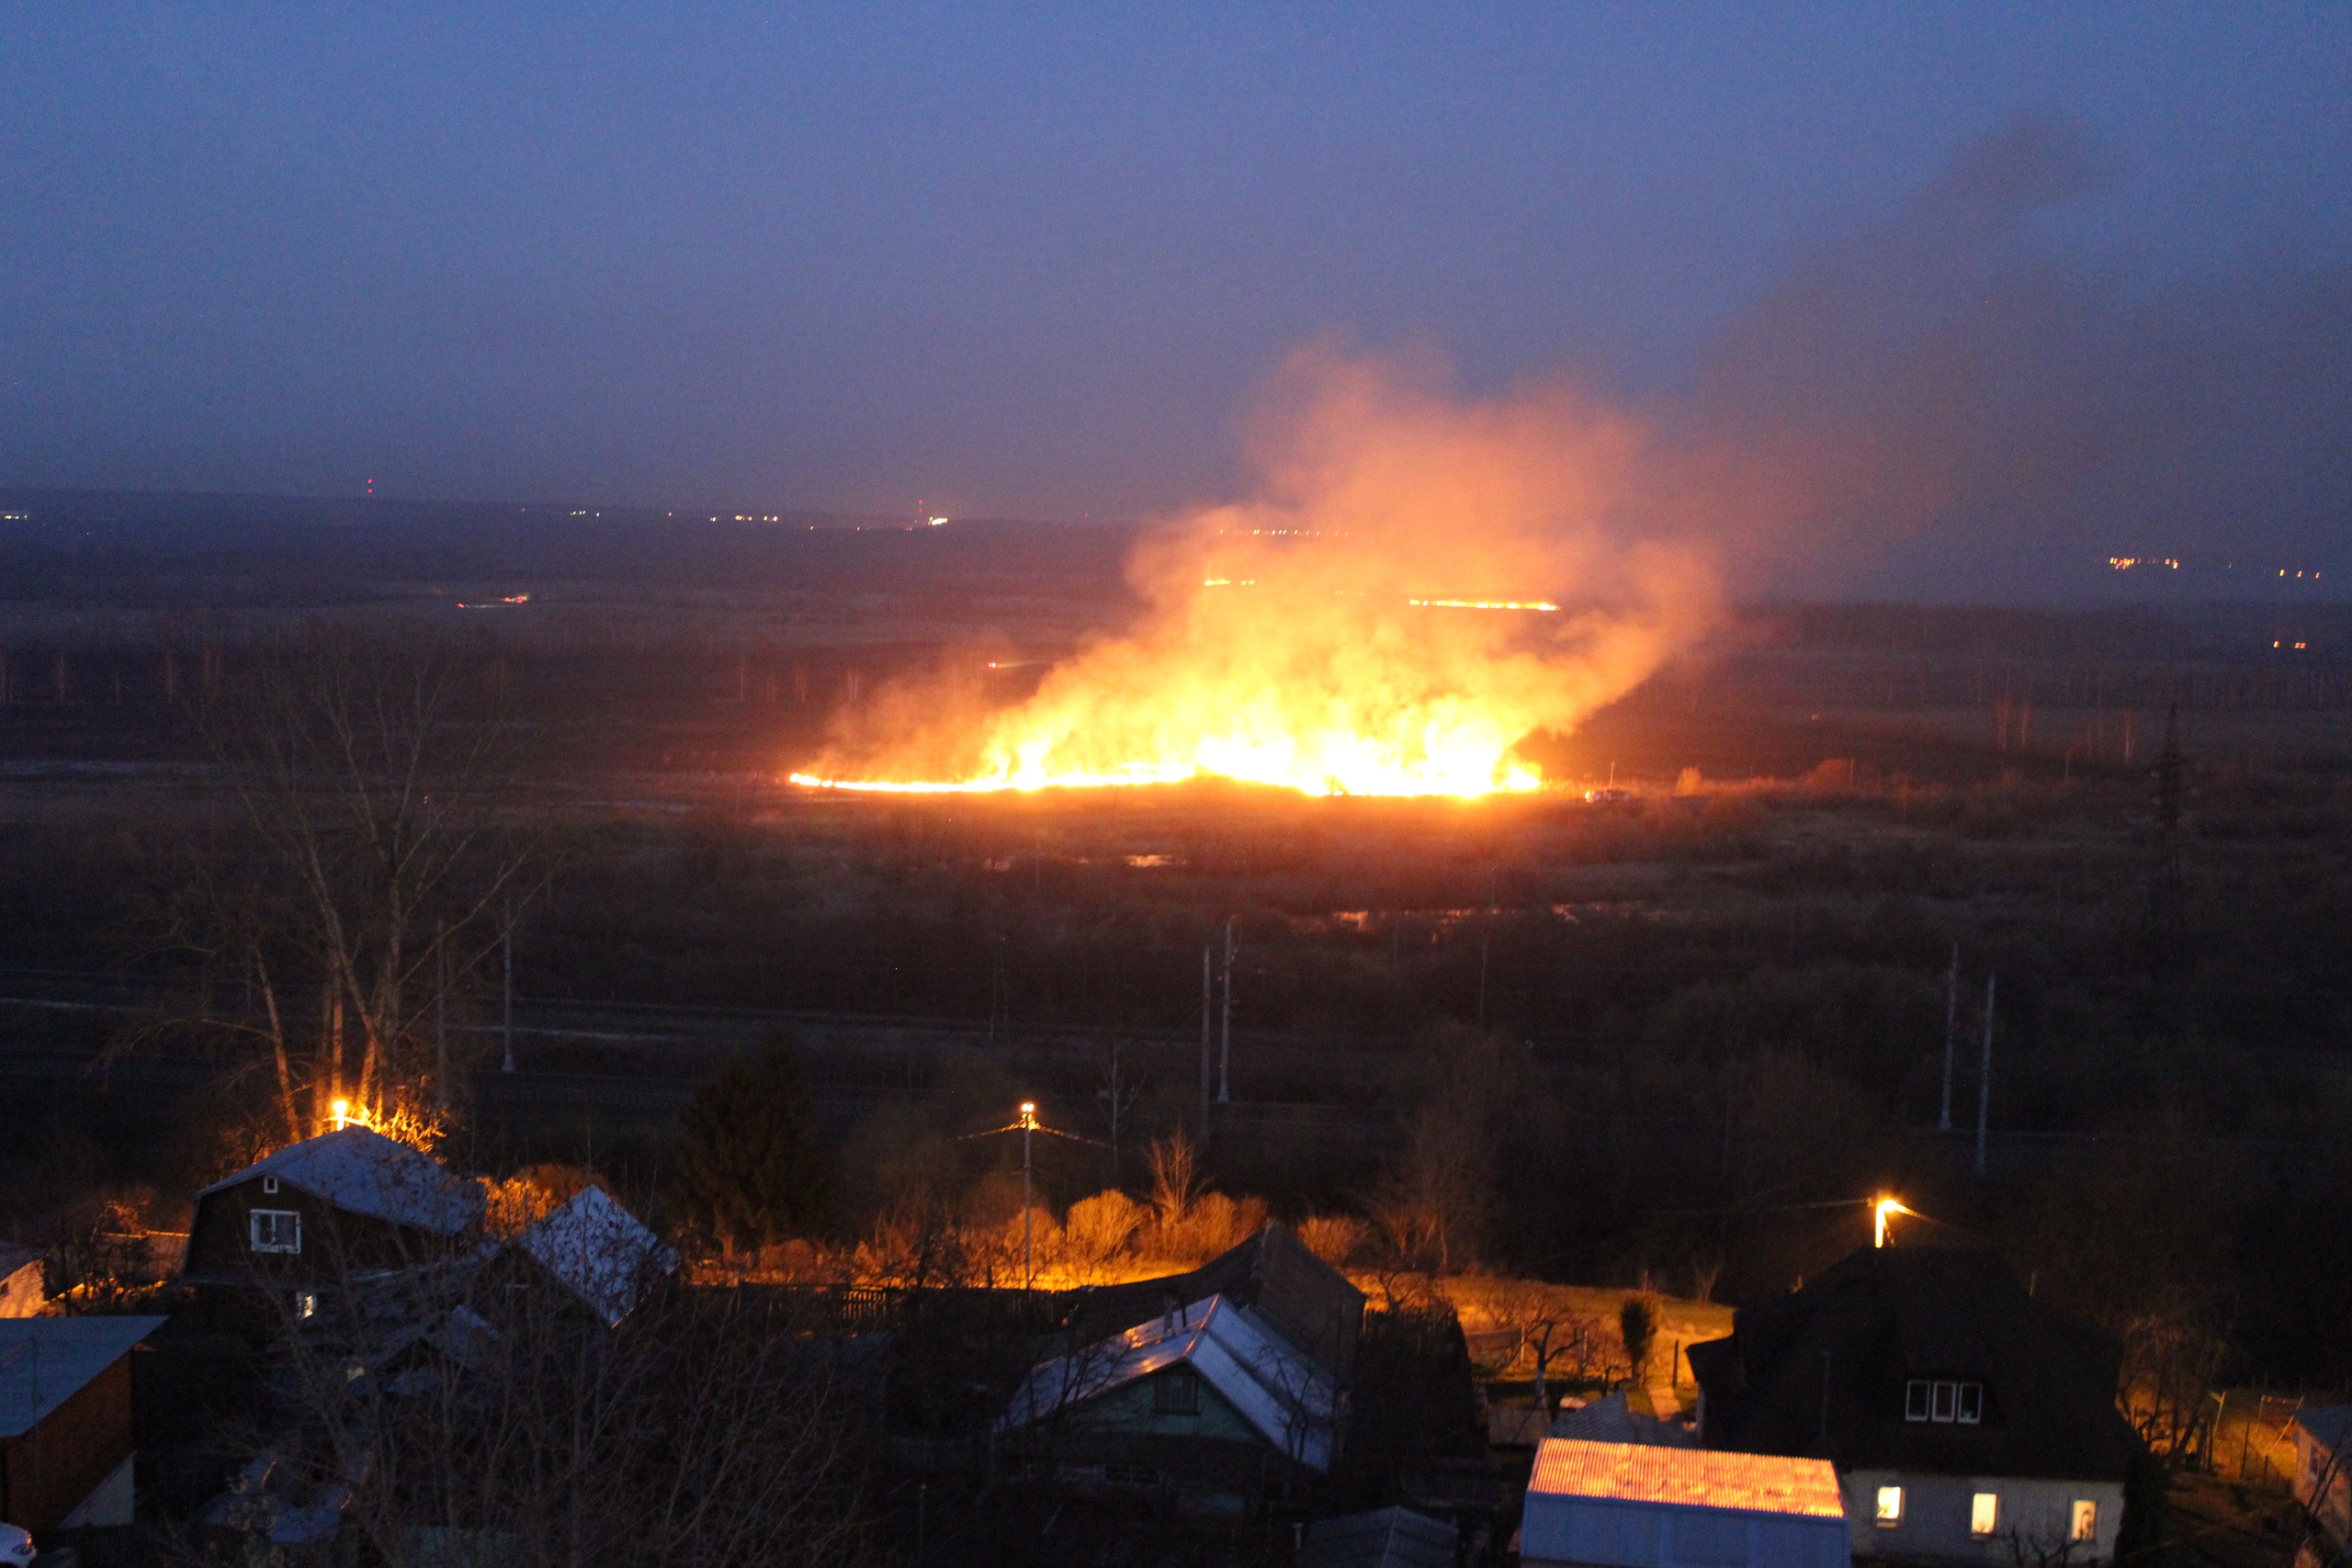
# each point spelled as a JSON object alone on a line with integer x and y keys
{"x": 44, "y": 1473}
{"x": 335, "y": 1242}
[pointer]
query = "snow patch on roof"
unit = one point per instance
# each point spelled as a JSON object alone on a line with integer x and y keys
{"x": 598, "y": 1251}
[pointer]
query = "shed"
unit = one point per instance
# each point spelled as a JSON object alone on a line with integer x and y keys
{"x": 1384, "y": 1538}
{"x": 1643, "y": 1505}
{"x": 349, "y": 1200}
{"x": 66, "y": 1434}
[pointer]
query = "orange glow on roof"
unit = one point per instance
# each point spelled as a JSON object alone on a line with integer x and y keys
{"x": 1694, "y": 1478}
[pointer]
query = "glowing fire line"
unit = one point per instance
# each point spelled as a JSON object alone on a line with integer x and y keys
{"x": 1515, "y": 780}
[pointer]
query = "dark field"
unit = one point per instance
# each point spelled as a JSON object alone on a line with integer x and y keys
{"x": 1680, "y": 1036}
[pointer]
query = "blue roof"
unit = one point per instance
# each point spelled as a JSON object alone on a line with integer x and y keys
{"x": 2325, "y": 1422}
{"x": 364, "y": 1172}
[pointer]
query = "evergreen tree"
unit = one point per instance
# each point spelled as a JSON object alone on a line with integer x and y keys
{"x": 748, "y": 1157}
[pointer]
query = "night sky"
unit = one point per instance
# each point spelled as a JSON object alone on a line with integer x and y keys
{"x": 2088, "y": 266}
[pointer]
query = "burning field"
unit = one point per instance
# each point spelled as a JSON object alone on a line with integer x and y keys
{"x": 1422, "y": 587}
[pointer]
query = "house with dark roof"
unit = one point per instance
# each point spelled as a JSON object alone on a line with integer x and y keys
{"x": 1966, "y": 1421}
{"x": 345, "y": 1203}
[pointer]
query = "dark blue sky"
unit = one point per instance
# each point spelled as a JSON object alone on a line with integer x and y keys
{"x": 1034, "y": 261}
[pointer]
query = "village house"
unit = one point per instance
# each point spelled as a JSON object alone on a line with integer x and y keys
{"x": 344, "y": 1204}
{"x": 1219, "y": 1391}
{"x": 66, "y": 1433}
{"x": 1969, "y": 1424}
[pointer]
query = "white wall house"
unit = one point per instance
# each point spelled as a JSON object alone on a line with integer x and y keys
{"x": 1926, "y": 1517}
{"x": 1970, "y": 1425}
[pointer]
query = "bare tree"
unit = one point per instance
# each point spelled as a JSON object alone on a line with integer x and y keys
{"x": 464, "y": 1412}
{"x": 377, "y": 856}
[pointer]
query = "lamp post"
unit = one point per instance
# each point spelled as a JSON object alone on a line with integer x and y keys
{"x": 1884, "y": 1210}
{"x": 1028, "y": 1125}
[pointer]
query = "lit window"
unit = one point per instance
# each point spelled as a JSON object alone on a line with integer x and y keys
{"x": 276, "y": 1230}
{"x": 306, "y": 1303}
{"x": 1890, "y": 1505}
{"x": 1972, "y": 1403}
{"x": 1914, "y": 1400}
{"x": 2086, "y": 1523}
{"x": 1985, "y": 1513}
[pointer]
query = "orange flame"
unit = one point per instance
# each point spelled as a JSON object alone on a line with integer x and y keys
{"x": 1346, "y": 667}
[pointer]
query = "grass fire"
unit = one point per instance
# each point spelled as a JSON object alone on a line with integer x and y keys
{"x": 1423, "y": 586}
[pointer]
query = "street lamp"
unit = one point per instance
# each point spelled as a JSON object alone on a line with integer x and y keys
{"x": 1881, "y": 1212}
{"x": 1028, "y": 1124}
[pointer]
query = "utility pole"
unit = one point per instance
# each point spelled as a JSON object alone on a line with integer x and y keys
{"x": 1985, "y": 1077}
{"x": 506, "y": 1016}
{"x": 1028, "y": 1125}
{"x": 441, "y": 1014}
{"x": 1205, "y": 1012}
{"x": 1224, "y": 1039}
{"x": 1951, "y": 1025}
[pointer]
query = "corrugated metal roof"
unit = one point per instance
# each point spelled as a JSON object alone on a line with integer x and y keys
{"x": 1279, "y": 1391}
{"x": 598, "y": 1251}
{"x": 364, "y": 1172}
{"x": 1701, "y": 1478}
{"x": 44, "y": 1361}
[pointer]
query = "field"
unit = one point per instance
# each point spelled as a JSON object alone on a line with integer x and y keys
{"x": 1679, "y": 1038}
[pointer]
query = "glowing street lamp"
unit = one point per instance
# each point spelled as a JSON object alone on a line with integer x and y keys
{"x": 1881, "y": 1212}
{"x": 341, "y": 1109}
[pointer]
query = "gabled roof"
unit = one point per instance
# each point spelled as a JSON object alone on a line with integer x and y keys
{"x": 363, "y": 1172}
{"x": 1823, "y": 1372}
{"x": 598, "y": 1251}
{"x": 1273, "y": 1274}
{"x": 1687, "y": 1478}
{"x": 1385, "y": 1538}
{"x": 44, "y": 1361}
{"x": 1281, "y": 1393}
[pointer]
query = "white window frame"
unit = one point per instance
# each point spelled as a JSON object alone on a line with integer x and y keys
{"x": 1985, "y": 1515}
{"x": 254, "y": 1218}
{"x": 1889, "y": 1507}
{"x": 270, "y": 1185}
{"x": 1944, "y": 1401}
{"x": 2083, "y": 1523}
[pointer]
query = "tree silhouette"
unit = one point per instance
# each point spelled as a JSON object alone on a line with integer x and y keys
{"x": 748, "y": 1155}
